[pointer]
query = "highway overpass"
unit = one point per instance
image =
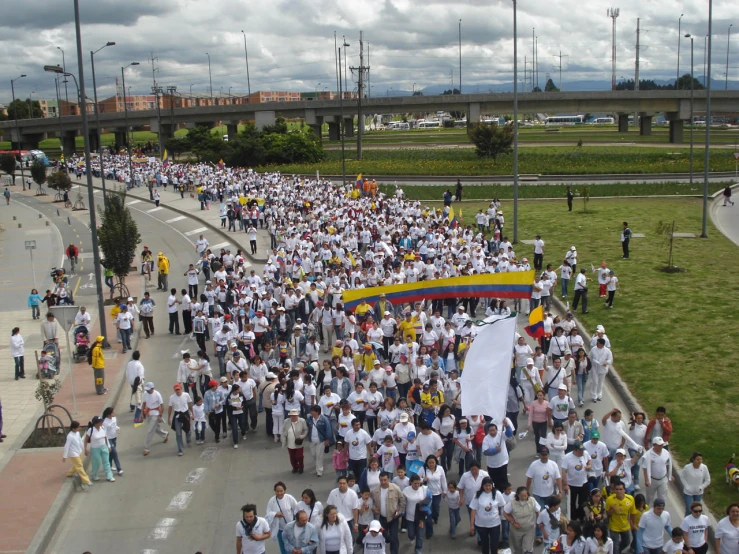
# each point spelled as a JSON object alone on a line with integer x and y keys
{"x": 674, "y": 105}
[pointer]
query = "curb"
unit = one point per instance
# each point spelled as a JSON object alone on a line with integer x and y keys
{"x": 632, "y": 404}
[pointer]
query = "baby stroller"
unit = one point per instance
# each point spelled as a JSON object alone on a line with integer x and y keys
{"x": 81, "y": 343}
{"x": 48, "y": 361}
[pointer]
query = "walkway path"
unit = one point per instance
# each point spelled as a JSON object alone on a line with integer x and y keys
{"x": 726, "y": 218}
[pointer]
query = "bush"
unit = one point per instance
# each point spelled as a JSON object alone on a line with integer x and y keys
{"x": 7, "y": 164}
{"x": 491, "y": 140}
{"x": 59, "y": 181}
{"x": 38, "y": 172}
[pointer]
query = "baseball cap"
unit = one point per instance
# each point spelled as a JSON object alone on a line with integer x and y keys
{"x": 600, "y": 329}
{"x": 562, "y": 386}
{"x": 177, "y": 386}
{"x": 403, "y": 417}
{"x": 130, "y": 299}
{"x": 375, "y": 526}
{"x": 224, "y": 380}
{"x": 270, "y": 375}
{"x": 658, "y": 502}
{"x": 149, "y": 385}
{"x": 577, "y": 445}
{"x": 658, "y": 441}
{"x": 212, "y": 383}
{"x": 529, "y": 361}
{"x": 621, "y": 451}
{"x": 595, "y": 434}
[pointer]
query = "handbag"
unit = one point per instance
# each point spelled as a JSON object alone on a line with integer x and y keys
{"x": 298, "y": 441}
{"x": 549, "y": 384}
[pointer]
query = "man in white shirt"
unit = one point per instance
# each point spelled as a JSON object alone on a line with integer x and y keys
{"x": 251, "y": 531}
{"x": 614, "y": 433}
{"x": 82, "y": 319}
{"x": 124, "y": 324}
{"x": 201, "y": 245}
{"x": 657, "y": 468}
{"x": 181, "y": 405}
{"x": 152, "y": 407}
{"x": 543, "y": 477}
{"x": 597, "y": 452}
{"x": 538, "y": 253}
{"x": 428, "y": 442}
{"x": 602, "y": 361}
{"x": 575, "y": 467}
{"x": 652, "y": 526}
{"x": 581, "y": 291}
{"x": 134, "y": 369}
{"x": 345, "y": 500}
{"x": 249, "y": 390}
{"x": 174, "y": 320}
{"x": 359, "y": 443}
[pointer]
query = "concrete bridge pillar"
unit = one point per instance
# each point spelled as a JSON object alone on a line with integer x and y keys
{"x": 30, "y": 141}
{"x": 314, "y": 121}
{"x": 68, "y": 143}
{"x": 645, "y": 125}
{"x": 676, "y": 131}
{"x": 334, "y": 133}
{"x": 473, "y": 114}
{"x": 232, "y": 129}
{"x": 261, "y": 119}
{"x": 94, "y": 141}
{"x": 623, "y": 123}
{"x": 348, "y": 127}
{"x": 121, "y": 137}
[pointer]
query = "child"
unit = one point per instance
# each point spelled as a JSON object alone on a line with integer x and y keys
{"x": 340, "y": 459}
{"x": 589, "y": 424}
{"x": 374, "y": 542}
{"x": 378, "y": 437}
{"x": 452, "y": 499}
{"x": 402, "y": 482}
{"x": 549, "y": 521}
{"x": 365, "y": 514}
{"x": 509, "y": 496}
{"x": 676, "y": 544}
{"x": 351, "y": 481}
{"x": 46, "y": 364}
{"x": 388, "y": 454}
{"x": 198, "y": 411}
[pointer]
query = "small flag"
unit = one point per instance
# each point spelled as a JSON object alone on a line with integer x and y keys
{"x": 452, "y": 218}
{"x": 535, "y": 329}
{"x": 165, "y": 158}
{"x": 352, "y": 260}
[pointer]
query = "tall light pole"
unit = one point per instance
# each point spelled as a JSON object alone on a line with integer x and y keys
{"x": 64, "y": 67}
{"x": 246, "y": 56}
{"x": 728, "y": 42}
{"x": 125, "y": 110}
{"x": 30, "y": 104}
{"x": 705, "y": 51}
{"x": 515, "y": 125}
{"x": 59, "y": 113}
{"x": 210, "y": 78}
{"x": 414, "y": 89}
{"x": 341, "y": 124}
{"x": 345, "y": 45}
{"x": 679, "y": 40}
{"x": 692, "y": 93}
{"x": 17, "y": 131}
{"x": 460, "y": 57}
{"x": 98, "y": 131}
{"x": 707, "y": 150}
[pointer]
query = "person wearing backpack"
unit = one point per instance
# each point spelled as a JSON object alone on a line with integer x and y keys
{"x": 96, "y": 359}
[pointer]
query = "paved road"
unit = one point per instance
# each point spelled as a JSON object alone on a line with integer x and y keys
{"x": 726, "y": 218}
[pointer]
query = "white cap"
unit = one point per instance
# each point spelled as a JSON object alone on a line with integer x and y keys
{"x": 293, "y": 412}
{"x": 658, "y": 441}
{"x": 460, "y": 308}
{"x": 573, "y": 248}
{"x": 375, "y": 526}
{"x": 529, "y": 361}
{"x": 600, "y": 329}
{"x": 270, "y": 375}
{"x": 129, "y": 299}
{"x": 621, "y": 451}
{"x": 403, "y": 417}
{"x": 562, "y": 386}
{"x": 387, "y": 313}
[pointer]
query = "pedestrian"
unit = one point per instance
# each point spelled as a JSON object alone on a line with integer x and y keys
{"x": 320, "y": 436}
{"x": 181, "y": 404}
{"x": 657, "y": 470}
{"x": 125, "y": 325}
{"x": 485, "y": 516}
{"x": 727, "y": 530}
{"x": 538, "y": 253}
{"x": 575, "y": 468}
{"x": 110, "y": 424}
{"x": 570, "y": 197}
{"x": 611, "y": 286}
{"x": 727, "y": 195}
{"x": 73, "y": 449}
{"x": 300, "y": 535}
{"x": 294, "y": 433}
{"x": 334, "y": 533}
{"x": 98, "y": 364}
{"x": 652, "y": 527}
{"x": 281, "y": 507}
{"x": 146, "y": 313}
{"x": 251, "y": 531}
{"x": 174, "y": 319}
{"x": 695, "y": 478}
{"x": 6, "y": 194}
{"x": 521, "y": 513}
{"x": 186, "y": 303}
{"x": 152, "y": 410}
{"x": 695, "y": 529}
{"x": 96, "y": 446}
{"x": 162, "y": 271}
{"x": 252, "y": 234}
{"x": 581, "y": 291}
{"x": 157, "y": 198}
{"x": 238, "y": 417}
{"x": 34, "y": 299}
{"x": 418, "y": 511}
{"x": 621, "y": 509}
{"x": 17, "y": 350}
{"x": 625, "y": 239}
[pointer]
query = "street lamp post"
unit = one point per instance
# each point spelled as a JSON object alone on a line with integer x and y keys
{"x": 125, "y": 111}
{"x": 460, "y": 57}
{"x": 30, "y": 104}
{"x": 246, "y": 57}
{"x": 707, "y": 150}
{"x": 97, "y": 119}
{"x": 692, "y": 93}
{"x": 341, "y": 125}
{"x": 59, "y": 113}
{"x": 679, "y": 36}
{"x": 64, "y": 67}
{"x": 728, "y": 42}
{"x": 705, "y": 50}
{"x": 414, "y": 89}
{"x": 17, "y": 131}
{"x": 210, "y": 77}
{"x": 515, "y": 126}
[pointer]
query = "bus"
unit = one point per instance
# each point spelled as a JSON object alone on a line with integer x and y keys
{"x": 429, "y": 124}
{"x": 564, "y": 120}
{"x": 27, "y": 157}
{"x": 604, "y": 121}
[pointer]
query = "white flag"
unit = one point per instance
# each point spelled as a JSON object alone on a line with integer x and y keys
{"x": 487, "y": 369}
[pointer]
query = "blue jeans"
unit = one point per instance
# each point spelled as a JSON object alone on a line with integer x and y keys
{"x": 635, "y": 468}
{"x": 414, "y": 532}
{"x": 455, "y": 519}
{"x": 506, "y": 529}
{"x": 178, "y": 433}
{"x": 581, "y": 381}
{"x": 689, "y": 499}
{"x": 435, "y": 510}
{"x": 565, "y": 282}
{"x": 281, "y": 542}
{"x": 199, "y": 430}
{"x": 126, "y": 339}
{"x": 113, "y": 456}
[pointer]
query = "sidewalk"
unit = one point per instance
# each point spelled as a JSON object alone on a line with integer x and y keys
{"x": 190, "y": 207}
{"x": 35, "y": 490}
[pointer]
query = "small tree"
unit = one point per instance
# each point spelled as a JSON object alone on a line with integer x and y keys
{"x": 7, "y": 164}
{"x": 491, "y": 140}
{"x": 585, "y": 193}
{"x": 118, "y": 236}
{"x": 38, "y": 172}
{"x": 667, "y": 230}
{"x": 58, "y": 181}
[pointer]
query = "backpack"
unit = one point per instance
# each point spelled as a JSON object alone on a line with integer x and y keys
{"x": 89, "y": 356}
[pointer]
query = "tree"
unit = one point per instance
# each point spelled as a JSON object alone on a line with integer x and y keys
{"x": 22, "y": 108}
{"x": 118, "y": 236}
{"x": 38, "y": 172}
{"x": 550, "y": 86}
{"x": 246, "y": 149}
{"x": 175, "y": 146}
{"x": 491, "y": 140}
{"x": 7, "y": 164}
{"x": 205, "y": 145}
{"x": 450, "y": 91}
{"x": 59, "y": 181}
{"x": 667, "y": 230}
{"x": 280, "y": 127}
{"x": 683, "y": 83}
{"x": 417, "y": 93}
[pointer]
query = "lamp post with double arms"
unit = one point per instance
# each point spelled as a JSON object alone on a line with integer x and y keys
{"x": 17, "y": 131}
{"x": 246, "y": 56}
{"x": 692, "y": 94}
{"x": 64, "y": 68}
{"x": 515, "y": 126}
{"x": 98, "y": 131}
{"x": 125, "y": 111}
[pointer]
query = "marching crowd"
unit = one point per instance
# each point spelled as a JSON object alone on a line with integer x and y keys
{"x": 376, "y": 389}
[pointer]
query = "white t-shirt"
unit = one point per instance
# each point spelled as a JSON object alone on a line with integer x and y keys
{"x": 729, "y": 536}
{"x": 249, "y": 545}
{"x": 488, "y": 507}
{"x": 574, "y": 466}
{"x": 623, "y": 472}
{"x": 358, "y": 441}
{"x": 179, "y": 403}
{"x": 412, "y": 498}
{"x": 696, "y": 527}
{"x": 543, "y": 477}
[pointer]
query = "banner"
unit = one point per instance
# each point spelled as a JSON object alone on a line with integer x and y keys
{"x": 486, "y": 285}
{"x": 487, "y": 369}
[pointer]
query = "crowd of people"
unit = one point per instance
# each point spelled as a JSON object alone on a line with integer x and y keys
{"x": 378, "y": 387}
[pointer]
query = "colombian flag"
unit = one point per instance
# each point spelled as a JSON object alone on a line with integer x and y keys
{"x": 165, "y": 158}
{"x": 535, "y": 328}
{"x": 452, "y": 218}
{"x": 360, "y": 181}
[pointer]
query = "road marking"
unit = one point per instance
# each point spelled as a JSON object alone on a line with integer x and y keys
{"x": 163, "y": 528}
{"x": 74, "y": 292}
{"x": 133, "y": 202}
{"x": 180, "y": 501}
{"x": 154, "y": 210}
{"x": 148, "y": 551}
{"x": 196, "y": 476}
{"x": 196, "y": 231}
{"x": 178, "y": 353}
{"x": 97, "y": 191}
{"x": 209, "y": 454}
{"x": 220, "y": 245}
{"x": 178, "y": 218}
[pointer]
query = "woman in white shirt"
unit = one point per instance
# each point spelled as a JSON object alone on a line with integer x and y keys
{"x": 282, "y": 507}
{"x": 389, "y": 413}
{"x": 572, "y": 541}
{"x": 637, "y": 432}
{"x": 334, "y": 534}
{"x": 311, "y": 506}
{"x": 444, "y": 426}
{"x": 695, "y": 478}
{"x": 485, "y": 516}
{"x": 600, "y": 542}
{"x": 110, "y": 424}
{"x": 96, "y": 446}
{"x": 18, "y": 352}
{"x": 434, "y": 477}
{"x": 556, "y": 441}
{"x": 278, "y": 412}
{"x": 695, "y": 529}
{"x": 373, "y": 401}
{"x": 415, "y": 496}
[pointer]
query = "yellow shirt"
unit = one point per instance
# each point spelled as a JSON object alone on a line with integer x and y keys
{"x": 407, "y": 328}
{"x": 618, "y": 519}
{"x": 428, "y": 401}
{"x": 114, "y": 311}
{"x": 362, "y": 309}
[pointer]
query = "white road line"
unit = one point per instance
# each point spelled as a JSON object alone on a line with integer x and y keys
{"x": 97, "y": 191}
{"x": 159, "y": 221}
{"x": 196, "y": 231}
{"x": 133, "y": 202}
{"x": 220, "y": 245}
{"x": 149, "y": 551}
{"x": 178, "y": 218}
{"x": 180, "y": 501}
{"x": 154, "y": 210}
{"x": 196, "y": 476}
{"x": 178, "y": 353}
{"x": 163, "y": 528}
{"x": 209, "y": 454}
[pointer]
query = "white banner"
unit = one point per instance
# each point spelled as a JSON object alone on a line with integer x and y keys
{"x": 487, "y": 369}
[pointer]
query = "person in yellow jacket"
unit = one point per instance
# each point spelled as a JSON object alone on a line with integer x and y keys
{"x": 163, "y": 271}
{"x": 367, "y": 360}
{"x": 114, "y": 311}
{"x": 98, "y": 365}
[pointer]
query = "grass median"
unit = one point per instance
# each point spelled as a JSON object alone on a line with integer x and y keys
{"x": 672, "y": 336}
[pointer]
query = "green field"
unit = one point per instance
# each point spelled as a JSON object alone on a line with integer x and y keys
{"x": 672, "y": 334}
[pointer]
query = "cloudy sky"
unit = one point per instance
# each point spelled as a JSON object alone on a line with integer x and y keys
{"x": 291, "y": 42}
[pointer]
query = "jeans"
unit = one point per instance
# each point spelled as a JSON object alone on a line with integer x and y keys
{"x": 565, "y": 282}
{"x": 415, "y": 532}
{"x": 542, "y": 501}
{"x": 126, "y": 339}
{"x": 19, "y": 368}
{"x": 199, "y": 430}
{"x": 35, "y": 312}
{"x": 391, "y": 532}
{"x": 113, "y": 455}
{"x": 580, "y": 294}
{"x": 582, "y": 380}
{"x": 621, "y": 540}
{"x": 489, "y": 536}
{"x": 689, "y": 499}
{"x": 238, "y": 421}
{"x": 635, "y": 468}
{"x": 178, "y": 433}
{"x": 357, "y": 467}
{"x": 435, "y": 510}
{"x": 447, "y": 454}
{"x": 174, "y": 323}
{"x": 454, "y": 519}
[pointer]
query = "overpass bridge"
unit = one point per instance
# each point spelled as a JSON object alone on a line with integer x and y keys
{"x": 673, "y": 104}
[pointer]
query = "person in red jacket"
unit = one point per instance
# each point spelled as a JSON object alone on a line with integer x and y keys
{"x": 660, "y": 426}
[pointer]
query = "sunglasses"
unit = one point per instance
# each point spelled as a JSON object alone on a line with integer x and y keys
{"x": 697, "y": 511}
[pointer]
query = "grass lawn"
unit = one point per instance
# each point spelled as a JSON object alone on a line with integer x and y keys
{"x": 672, "y": 336}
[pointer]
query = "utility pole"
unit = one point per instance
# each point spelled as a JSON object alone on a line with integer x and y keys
{"x": 360, "y": 90}
{"x": 679, "y": 42}
{"x": 613, "y": 13}
{"x": 368, "y": 86}
{"x": 171, "y": 91}
{"x": 728, "y": 43}
{"x": 561, "y": 87}
{"x": 336, "y": 58}
{"x": 533, "y": 57}
{"x": 515, "y": 124}
{"x": 636, "y": 64}
{"x": 536, "y": 59}
{"x": 525, "y": 72}
{"x": 460, "y": 57}
{"x": 707, "y": 149}
{"x": 154, "y": 69}
{"x": 157, "y": 91}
